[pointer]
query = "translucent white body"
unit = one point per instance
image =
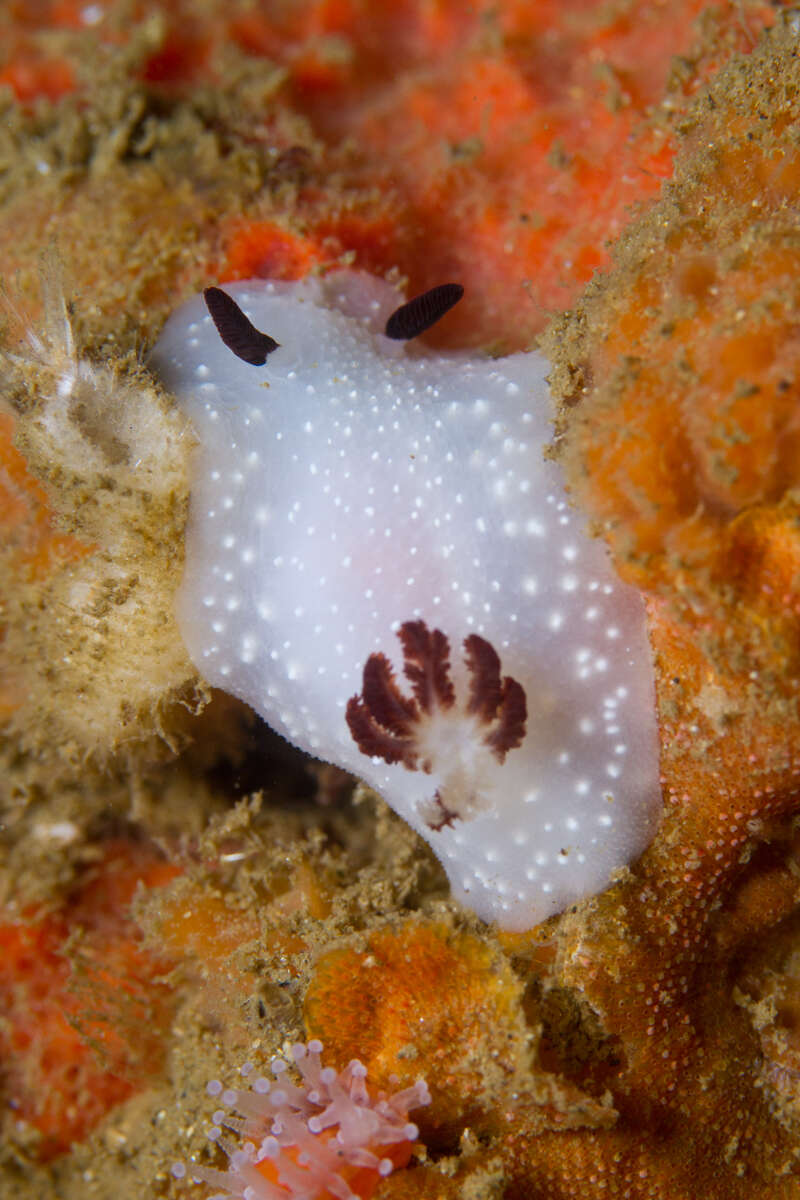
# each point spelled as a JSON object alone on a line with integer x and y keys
{"x": 354, "y": 484}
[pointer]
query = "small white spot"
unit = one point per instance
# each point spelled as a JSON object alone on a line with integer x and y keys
{"x": 249, "y": 647}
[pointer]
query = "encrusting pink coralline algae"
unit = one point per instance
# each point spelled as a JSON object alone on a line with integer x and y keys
{"x": 325, "y": 1137}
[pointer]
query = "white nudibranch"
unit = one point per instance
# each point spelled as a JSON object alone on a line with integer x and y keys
{"x": 381, "y": 561}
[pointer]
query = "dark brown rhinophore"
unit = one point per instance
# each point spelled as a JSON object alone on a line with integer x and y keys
{"x": 237, "y": 332}
{"x": 424, "y": 310}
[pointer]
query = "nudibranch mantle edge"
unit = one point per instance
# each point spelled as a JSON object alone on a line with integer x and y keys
{"x": 383, "y": 564}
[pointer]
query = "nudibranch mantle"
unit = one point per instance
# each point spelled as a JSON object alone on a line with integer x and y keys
{"x": 382, "y": 563}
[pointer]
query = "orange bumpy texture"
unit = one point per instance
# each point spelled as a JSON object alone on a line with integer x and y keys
{"x": 84, "y": 1010}
{"x": 500, "y": 145}
{"x": 681, "y": 421}
{"x": 679, "y": 379}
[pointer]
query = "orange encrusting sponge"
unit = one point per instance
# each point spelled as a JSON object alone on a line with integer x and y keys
{"x": 85, "y": 1013}
{"x": 420, "y": 993}
{"x": 684, "y": 443}
{"x": 679, "y": 374}
{"x": 502, "y": 150}
{"x": 705, "y": 420}
{"x": 501, "y": 147}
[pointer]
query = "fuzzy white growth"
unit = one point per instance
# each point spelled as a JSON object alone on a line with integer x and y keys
{"x": 91, "y": 416}
{"x": 356, "y": 493}
{"x": 92, "y": 646}
{"x": 285, "y": 1123}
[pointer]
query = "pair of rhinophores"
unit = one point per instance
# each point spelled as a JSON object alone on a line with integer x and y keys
{"x": 248, "y": 343}
{"x": 354, "y": 494}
